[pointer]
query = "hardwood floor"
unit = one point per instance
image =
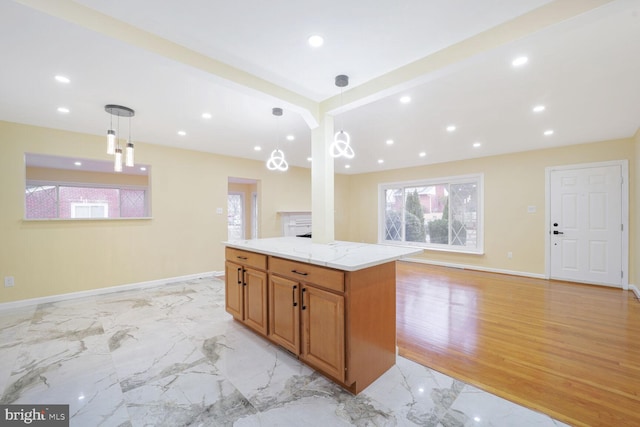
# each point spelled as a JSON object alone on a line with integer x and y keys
{"x": 569, "y": 350}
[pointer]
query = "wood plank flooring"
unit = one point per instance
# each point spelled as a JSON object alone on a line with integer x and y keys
{"x": 571, "y": 351}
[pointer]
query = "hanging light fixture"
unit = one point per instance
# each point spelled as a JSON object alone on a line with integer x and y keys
{"x": 341, "y": 145}
{"x": 113, "y": 142}
{"x": 276, "y": 160}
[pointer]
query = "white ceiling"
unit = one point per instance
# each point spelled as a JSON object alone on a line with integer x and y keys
{"x": 585, "y": 69}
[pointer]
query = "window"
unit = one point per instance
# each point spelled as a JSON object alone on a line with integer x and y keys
{"x": 443, "y": 214}
{"x": 89, "y": 210}
{"x": 51, "y": 200}
{"x": 73, "y": 188}
{"x": 235, "y": 212}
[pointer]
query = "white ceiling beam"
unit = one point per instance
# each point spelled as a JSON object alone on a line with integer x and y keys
{"x": 227, "y": 75}
{"x": 449, "y": 59}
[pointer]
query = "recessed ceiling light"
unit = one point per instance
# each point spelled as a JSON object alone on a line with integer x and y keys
{"x": 77, "y": 163}
{"x": 451, "y": 128}
{"x": 257, "y": 148}
{"x": 389, "y": 141}
{"x": 290, "y": 137}
{"x": 538, "y": 108}
{"x": 520, "y": 61}
{"x": 380, "y": 161}
{"x": 206, "y": 115}
{"x": 62, "y": 79}
{"x": 422, "y": 154}
{"x": 476, "y": 144}
{"x": 142, "y": 168}
{"x": 548, "y": 132}
{"x": 405, "y": 99}
{"x": 347, "y": 166}
{"x": 181, "y": 133}
{"x": 63, "y": 110}
{"x": 315, "y": 41}
{"x": 309, "y": 159}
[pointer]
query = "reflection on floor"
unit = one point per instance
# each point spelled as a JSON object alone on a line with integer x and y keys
{"x": 171, "y": 356}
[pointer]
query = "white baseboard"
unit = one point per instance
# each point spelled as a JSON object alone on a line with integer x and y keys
{"x": 475, "y": 267}
{"x": 101, "y": 291}
{"x": 635, "y": 290}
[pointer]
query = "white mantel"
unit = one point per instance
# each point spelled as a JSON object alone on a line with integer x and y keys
{"x": 347, "y": 256}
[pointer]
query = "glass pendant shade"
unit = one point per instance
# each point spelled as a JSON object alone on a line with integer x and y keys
{"x": 111, "y": 141}
{"x": 117, "y": 164}
{"x": 340, "y": 147}
{"x": 277, "y": 161}
{"x": 129, "y": 155}
{"x": 113, "y": 145}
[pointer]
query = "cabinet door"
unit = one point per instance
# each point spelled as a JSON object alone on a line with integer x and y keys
{"x": 233, "y": 290}
{"x": 284, "y": 313}
{"x": 255, "y": 300}
{"x": 323, "y": 330}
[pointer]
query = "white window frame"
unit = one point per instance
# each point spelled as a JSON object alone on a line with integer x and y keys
{"x": 58, "y": 184}
{"x": 75, "y": 205}
{"x": 477, "y": 178}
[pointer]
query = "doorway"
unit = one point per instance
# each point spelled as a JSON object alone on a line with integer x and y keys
{"x": 587, "y": 223}
{"x": 242, "y": 208}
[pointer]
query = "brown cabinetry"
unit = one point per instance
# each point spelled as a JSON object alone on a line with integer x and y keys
{"x": 246, "y": 288}
{"x": 341, "y": 323}
{"x": 305, "y": 319}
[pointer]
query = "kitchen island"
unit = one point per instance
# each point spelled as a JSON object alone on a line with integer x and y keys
{"x": 331, "y": 305}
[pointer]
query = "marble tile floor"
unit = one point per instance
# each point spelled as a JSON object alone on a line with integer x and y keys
{"x": 172, "y": 356}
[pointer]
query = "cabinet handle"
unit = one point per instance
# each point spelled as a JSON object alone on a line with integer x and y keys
{"x": 242, "y": 257}
{"x": 244, "y": 282}
{"x": 295, "y": 303}
{"x": 304, "y": 307}
{"x": 239, "y": 280}
{"x": 299, "y": 272}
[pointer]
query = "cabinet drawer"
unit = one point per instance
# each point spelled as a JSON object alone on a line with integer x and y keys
{"x": 250, "y": 259}
{"x": 321, "y": 276}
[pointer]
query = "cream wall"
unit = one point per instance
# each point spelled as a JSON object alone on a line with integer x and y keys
{"x": 511, "y": 184}
{"x": 635, "y": 223}
{"x": 183, "y": 238}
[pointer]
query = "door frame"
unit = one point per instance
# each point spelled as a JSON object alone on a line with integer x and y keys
{"x": 624, "y": 167}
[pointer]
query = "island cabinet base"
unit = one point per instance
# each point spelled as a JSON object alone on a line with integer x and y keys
{"x": 341, "y": 323}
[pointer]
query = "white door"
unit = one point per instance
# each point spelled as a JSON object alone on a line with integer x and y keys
{"x": 235, "y": 212}
{"x": 586, "y": 224}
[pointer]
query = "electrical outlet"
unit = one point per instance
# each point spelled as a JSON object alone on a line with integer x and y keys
{"x": 8, "y": 281}
{"x": 509, "y": 254}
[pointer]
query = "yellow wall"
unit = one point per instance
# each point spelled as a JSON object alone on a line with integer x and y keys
{"x": 184, "y": 237}
{"x": 185, "y": 234}
{"x": 511, "y": 183}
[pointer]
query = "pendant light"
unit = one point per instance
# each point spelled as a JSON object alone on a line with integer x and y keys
{"x": 276, "y": 160}
{"x": 341, "y": 145}
{"x": 113, "y": 142}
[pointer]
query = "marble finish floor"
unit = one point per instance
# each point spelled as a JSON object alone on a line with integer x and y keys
{"x": 172, "y": 356}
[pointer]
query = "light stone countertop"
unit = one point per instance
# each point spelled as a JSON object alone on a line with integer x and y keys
{"x": 347, "y": 256}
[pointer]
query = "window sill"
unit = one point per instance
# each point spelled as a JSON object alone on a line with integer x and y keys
{"x": 435, "y": 249}
{"x": 146, "y": 218}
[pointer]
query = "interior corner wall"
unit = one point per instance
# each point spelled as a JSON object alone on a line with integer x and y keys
{"x": 183, "y": 237}
{"x": 634, "y": 276}
{"x": 512, "y": 183}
